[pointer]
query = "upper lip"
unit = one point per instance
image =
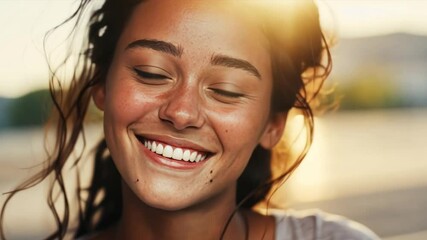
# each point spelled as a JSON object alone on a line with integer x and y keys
{"x": 174, "y": 141}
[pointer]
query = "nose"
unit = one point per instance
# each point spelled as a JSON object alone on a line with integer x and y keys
{"x": 182, "y": 109}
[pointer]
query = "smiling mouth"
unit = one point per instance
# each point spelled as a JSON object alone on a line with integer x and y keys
{"x": 175, "y": 153}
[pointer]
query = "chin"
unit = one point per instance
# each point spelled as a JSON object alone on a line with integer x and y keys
{"x": 166, "y": 206}
{"x": 167, "y": 203}
{"x": 163, "y": 198}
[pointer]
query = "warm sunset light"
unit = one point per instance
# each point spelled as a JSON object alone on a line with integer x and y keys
{"x": 357, "y": 18}
{"x": 24, "y": 66}
{"x": 159, "y": 104}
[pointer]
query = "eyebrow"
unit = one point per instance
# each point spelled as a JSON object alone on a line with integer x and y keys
{"x": 157, "y": 45}
{"x": 227, "y": 61}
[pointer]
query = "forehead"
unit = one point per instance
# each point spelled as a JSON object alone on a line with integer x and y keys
{"x": 216, "y": 26}
{"x": 169, "y": 14}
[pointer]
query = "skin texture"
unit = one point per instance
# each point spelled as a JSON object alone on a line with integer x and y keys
{"x": 197, "y": 104}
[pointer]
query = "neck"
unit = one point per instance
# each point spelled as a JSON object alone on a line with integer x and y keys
{"x": 205, "y": 221}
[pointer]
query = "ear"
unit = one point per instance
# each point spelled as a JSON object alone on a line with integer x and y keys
{"x": 98, "y": 95}
{"x": 273, "y": 131}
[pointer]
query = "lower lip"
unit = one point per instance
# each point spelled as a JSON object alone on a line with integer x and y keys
{"x": 168, "y": 162}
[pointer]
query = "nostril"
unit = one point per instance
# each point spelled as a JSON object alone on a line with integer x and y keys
{"x": 180, "y": 115}
{"x": 167, "y": 121}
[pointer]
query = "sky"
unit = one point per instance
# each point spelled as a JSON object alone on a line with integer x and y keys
{"x": 24, "y": 22}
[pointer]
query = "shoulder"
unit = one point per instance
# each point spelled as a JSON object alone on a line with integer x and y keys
{"x": 315, "y": 224}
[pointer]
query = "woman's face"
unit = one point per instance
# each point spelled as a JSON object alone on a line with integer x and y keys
{"x": 192, "y": 81}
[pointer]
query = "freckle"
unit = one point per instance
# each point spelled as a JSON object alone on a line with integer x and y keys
{"x": 211, "y": 172}
{"x": 211, "y": 181}
{"x": 226, "y": 130}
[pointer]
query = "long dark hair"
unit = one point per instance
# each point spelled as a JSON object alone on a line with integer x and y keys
{"x": 297, "y": 46}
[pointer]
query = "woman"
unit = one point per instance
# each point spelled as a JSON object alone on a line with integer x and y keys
{"x": 195, "y": 94}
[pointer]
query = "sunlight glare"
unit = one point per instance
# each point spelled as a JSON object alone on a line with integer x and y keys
{"x": 310, "y": 180}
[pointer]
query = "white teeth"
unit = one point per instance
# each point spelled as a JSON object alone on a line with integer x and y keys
{"x": 174, "y": 153}
{"x": 186, "y": 155}
{"x": 167, "y": 151}
{"x": 159, "y": 149}
{"x": 193, "y": 156}
{"x": 177, "y": 154}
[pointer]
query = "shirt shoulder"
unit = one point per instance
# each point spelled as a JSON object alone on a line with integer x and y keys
{"x": 318, "y": 225}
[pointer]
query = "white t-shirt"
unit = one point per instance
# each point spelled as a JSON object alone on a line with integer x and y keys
{"x": 317, "y": 225}
{"x": 312, "y": 225}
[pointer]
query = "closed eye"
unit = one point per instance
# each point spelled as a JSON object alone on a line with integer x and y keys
{"x": 149, "y": 75}
{"x": 225, "y": 93}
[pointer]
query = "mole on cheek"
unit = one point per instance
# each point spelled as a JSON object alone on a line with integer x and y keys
{"x": 211, "y": 180}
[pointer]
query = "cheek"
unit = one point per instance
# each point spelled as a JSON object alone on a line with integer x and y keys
{"x": 127, "y": 103}
{"x": 240, "y": 131}
{"x": 249, "y": 122}
{"x": 239, "y": 135}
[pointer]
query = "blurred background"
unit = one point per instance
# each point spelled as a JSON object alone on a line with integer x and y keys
{"x": 368, "y": 161}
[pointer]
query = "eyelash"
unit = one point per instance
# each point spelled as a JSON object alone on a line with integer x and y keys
{"x": 224, "y": 93}
{"x": 227, "y": 93}
{"x": 149, "y": 75}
